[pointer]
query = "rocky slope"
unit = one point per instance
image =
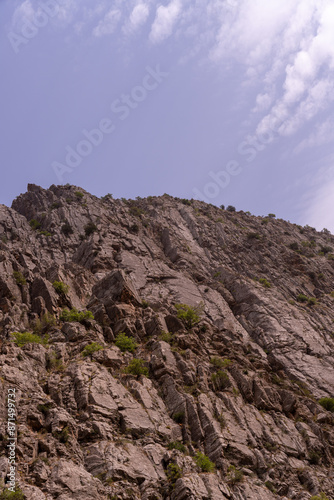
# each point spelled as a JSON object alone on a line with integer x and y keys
{"x": 241, "y": 385}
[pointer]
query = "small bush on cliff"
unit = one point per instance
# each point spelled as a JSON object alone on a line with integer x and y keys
{"x": 60, "y": 287}
{"x": 75, "y": 315}
{"x": 90, "y": 228}
{"x": 24, "y": 338}
{"x": 189, "y": 315}
{"x": 67, "y": 229}
{"x": 19, "y": 278}
{"x": 44, "y": 324}
{"x": 234, "y": 475}
{"x": 220, "y": 380}
{"x": 176, "y": 445}
{"x": 35, "y": 224}
{"x": 174, "y": 472}
{"x": 91, "y": 348}
{"x": 302, "y": 298}
{"x": 204, "y": 463}
{"x": 321, "y": 496}
{"x": 327, "y": 403}
{"x": 264, "y": 282}
{"x": 12, "y": 495}
{"x": 137, "y": 367}
{"x": 125, "y": 343}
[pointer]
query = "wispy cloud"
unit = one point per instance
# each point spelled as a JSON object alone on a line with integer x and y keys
{"x": 165, "y": 20}
{"x": 138, "y": 18}
{"x": 108, "y": 24}
{"x": 322, "y": 134}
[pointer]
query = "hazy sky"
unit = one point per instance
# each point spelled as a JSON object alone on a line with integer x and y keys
{"x": 229, "y": 101}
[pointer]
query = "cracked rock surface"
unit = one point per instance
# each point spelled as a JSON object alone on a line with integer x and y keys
{"x": 240, "y": 384}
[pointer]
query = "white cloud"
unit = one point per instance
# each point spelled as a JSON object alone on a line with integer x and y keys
{"x": 323, "y": 134}
{"x": 108, "y": 24}
{"x": 138, "y": 18}
{"x": 164, "y": 22}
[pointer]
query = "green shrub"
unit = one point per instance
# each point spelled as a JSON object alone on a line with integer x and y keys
{"x": 106, "y": 197}
{"x": 66, "y": 229}
{"x": 312, "y": 301}
{"x": 321, "y": 496}
{"x": 176, "y": 445}
{"x": 265, "y": 282}
{"x": 168, "y": 337}
{"x": 54, "y": 363}
{"x": 204, "y": 463}
{"x": 56, "y": 204}
{"x": 90, "y": 228}
{"x": 179, "y": 417}
{"x": 136, "y": 367}
{"x": 75, "y": 315}
{"x": 35, "y": 224}
{"x": 136, "y": 211}
{"x": 220, "y": 363}
{"x": 125, "y": 343}
{"x": 189, "y": 315}
{"x": 327, "y": 403}
{"x": 24, "y": 338}
{"x": 63, "y": 436}
{"x": 302, "y": 298}
{"x": 60, "y": 287}
{"x": 230, "y": 208}
{"x": 185, "y": 201}
{"x": 44, "y": 408}
{"x": 294, "y": 246}
{"x": 234, "y": 475}
{"x": 272, "y": 216}
{"x": 220, "y": 380}
{"x": 12, "y": 495}
{"x": 253, "y": 236}
{"x": 19, "y": 278}
{"x": 91, "y": 348}
{"x": 174, "y": 472}
{"x": 79, "y": 194}
{"x": 44, "y": 324}
{"x": 45, "y": 233}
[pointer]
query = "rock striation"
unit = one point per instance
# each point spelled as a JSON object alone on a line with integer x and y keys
{"x": 217, "y": 399}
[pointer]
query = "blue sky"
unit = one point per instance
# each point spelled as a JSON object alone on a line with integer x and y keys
{"x": 228, "y": 101}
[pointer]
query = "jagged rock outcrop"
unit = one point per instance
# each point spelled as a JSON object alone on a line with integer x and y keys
{"x": 239, "y": 380}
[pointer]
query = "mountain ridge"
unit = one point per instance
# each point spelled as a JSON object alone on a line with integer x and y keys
{"x": 240, "y": 382}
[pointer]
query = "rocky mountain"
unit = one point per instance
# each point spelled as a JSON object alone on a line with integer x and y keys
{"x": 164, "y": 349}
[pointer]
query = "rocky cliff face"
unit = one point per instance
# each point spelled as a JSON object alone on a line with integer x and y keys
{"x": 240, "y": 383}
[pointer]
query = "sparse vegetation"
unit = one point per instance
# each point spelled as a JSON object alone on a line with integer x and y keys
{"x": 60, "y": 287}
{"x": 90, "y": 228}
{"x": 264, "y": 282}
{"x": 220, "y": 363}
{"x": 34, "y": 224}
{"x": 327, "y": 403}
{"x": 44, "y": 324}
{"x": 125, "y": 343}
{"x": 67, "y": 229}
{"x": 220, "y": 380}
{"x": 79, "y": 194}
{"x": 137, "y": 367}
{"x": 189, "y": 315}
{"x": 176, "y": 445}
{"x": 24, "y": 338}
{"x": 321, "y": 496}
{"x": 234, "y": 475}
{"x": 75, "y": 315}
{"x": 91, "y": 348}
{"x": 230, "y": 208}
{"x": 19, "y": 278}
{"x": 12, "y": 495}
{"x": 204, "y": 463}
{"x": 302, "y": 298}
{"x": 179, "y": 417}
{"x": 174, "y": 472}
